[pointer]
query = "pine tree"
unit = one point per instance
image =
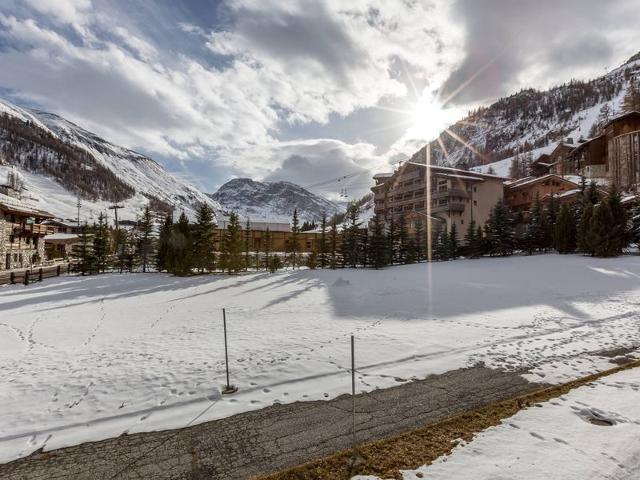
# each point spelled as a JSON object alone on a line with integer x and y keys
{"x": 377, "y": 245}
{"x": 322, "y": 248}
{"x": 85, "y": 251}
{"x": 551, "y": 218}
{"x": 632, "y": 97}
{"x": 482, "y": 242}
{"x": 180, "y": 254}
{"x": 565, "y": 231}
{"x": 420, "y": 241}
{"x": 351, "y": 237}
{"x": 312, "y": 260}
{"x": 267, "y": 246}
{"x": 231, "y": 251}
{"x": 600, "y": 234}
{"x": 536, "y": 232}
{"x": 333, "y": 236}
{"x": 292, "y": 246}
{"x": 392, "y": 243}
{"x": 101, "y": 247}
{"x": 442, "y": 247}
{"x": 620, "y": 234}
{"x": 162, "y": 258}
{"x": 500, "y": 232}
{"x": 403, "y": 239}
{"x": 203, "y": 233}
{"x": 453, "y": 242}
{"x": 584, "y": 228}
{"x": 247, "y": 245}
{"x": 145, "y": 238}
{"x": 471, "y": 240}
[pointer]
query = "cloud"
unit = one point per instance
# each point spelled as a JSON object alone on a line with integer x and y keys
{"x": 515, "y": 44}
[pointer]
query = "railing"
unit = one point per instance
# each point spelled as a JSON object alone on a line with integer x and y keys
{"x": 451, "y": 207}
{"x": 33, "y": 228}
{"x": 28, "y": 276}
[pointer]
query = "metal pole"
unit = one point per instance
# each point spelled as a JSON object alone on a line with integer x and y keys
{"x": 228, "y": 389}
{"x": 353, "y": 393}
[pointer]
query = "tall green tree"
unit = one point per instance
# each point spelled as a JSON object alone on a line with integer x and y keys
{"x": 204, "y": 233}
{"x": 267, "y": 246}
{"x": 333, "y": 243}
{"x": 180, "y": 254}
{"x": 146, "y": 244}
{"x": 231, "y": 252}
{"x": 323, "y": 247}
{"x": 442, "y": 246}
{"x": 500, "y": 230}
{"x": 420, "y": 241}
{"x": 86, "y": 263}
{"x": 566, "y": 231}
{"x": 101, "y": 243}
{"x": 536, "y": 235}
{"x": 292, "y": 246}
{"x": 392, "y": 243}
{"x": 403, "y": 240}
{"x": 471, "y": 240}
{"x": 351, "y": 238}
{"x": 584, "y": 239}
{"x": 163, "y": 259}
{"x": 377, "y": 244}
{"x": 454, "y": 246}
{"x": 247, "y": 245}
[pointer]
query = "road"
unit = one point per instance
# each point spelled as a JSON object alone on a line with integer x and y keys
{"x": 273, "y": 438}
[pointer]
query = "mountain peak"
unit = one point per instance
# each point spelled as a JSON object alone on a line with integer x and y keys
{"x": 272, "y": 200}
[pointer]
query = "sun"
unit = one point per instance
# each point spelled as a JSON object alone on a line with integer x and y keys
{"x": 429, "y": 117}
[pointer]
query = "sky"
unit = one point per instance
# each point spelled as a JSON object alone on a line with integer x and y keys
{"x": 299, "y": 90}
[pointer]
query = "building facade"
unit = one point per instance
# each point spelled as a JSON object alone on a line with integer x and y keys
{"x": 519, "y": 195}
{"x": 623, "y": 150}
{"x": 446, "y": 196}
{"x": 21, "y": 233}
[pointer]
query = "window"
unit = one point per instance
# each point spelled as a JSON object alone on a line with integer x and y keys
{"x": 475, "y": 203}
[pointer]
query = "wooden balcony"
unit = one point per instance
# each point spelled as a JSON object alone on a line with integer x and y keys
{"x": 452, "y": 207}
{"x": 33, "y": 229}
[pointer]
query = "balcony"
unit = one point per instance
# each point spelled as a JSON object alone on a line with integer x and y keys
{"x": 450, "y": 192}
{"x": 32, "y": 229}
{"x": 451, "y": 207}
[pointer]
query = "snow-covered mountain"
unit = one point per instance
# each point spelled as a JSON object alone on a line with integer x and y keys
{"x": 59, "y": 161}
{"x": 535, "y": 121}
{"x": 271, "y": 200}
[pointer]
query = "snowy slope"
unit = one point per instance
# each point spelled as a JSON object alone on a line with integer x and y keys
{"x": 86, "y": 358}
{"x": 144, "y": 175}
{"x": 271, "y": 200}
{"x": 534, "y": 121}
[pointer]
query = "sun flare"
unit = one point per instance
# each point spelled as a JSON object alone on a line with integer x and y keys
{"x": 429, "y": 117}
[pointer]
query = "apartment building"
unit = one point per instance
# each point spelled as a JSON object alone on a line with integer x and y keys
{"x": 455, "y": 196}
{"x": 21, "y": 233}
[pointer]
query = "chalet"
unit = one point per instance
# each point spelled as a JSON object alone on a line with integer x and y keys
{"x": 520, "y": 194}
{"x": 622, "y": 136}
{"x": 446, "y": 196}
{"x": 541, "y": 165}
{"x": 22, "y": 233}
{"x": 588, "y": 159}
{"x": 559, "y": 161}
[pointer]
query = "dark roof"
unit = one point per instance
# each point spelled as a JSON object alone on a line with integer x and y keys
{"x": 622, "y": 117}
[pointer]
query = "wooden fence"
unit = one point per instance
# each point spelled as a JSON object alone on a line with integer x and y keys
{"x": 32, "y": 275}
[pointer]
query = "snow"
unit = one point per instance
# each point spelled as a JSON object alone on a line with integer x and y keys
{"x": 86, "y": 358}
{"x": 142, "y": 173}
{"x": 566, "y": 438}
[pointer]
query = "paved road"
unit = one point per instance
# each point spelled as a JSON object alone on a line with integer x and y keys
{"x": 273, "y": 438}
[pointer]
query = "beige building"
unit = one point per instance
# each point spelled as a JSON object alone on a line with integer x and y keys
{"x": 21, "y": 233}
{"x": 456, "y": 196}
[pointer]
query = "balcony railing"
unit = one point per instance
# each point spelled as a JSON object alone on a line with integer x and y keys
{"x": 32, "y": 229}
{"x": 451, "y": 207}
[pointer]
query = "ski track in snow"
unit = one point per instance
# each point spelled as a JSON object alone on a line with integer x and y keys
{"x": 91, "y": 358}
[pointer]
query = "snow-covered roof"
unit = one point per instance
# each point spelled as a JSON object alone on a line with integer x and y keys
{"x": 61, "y": 237}
{"x": 16, "y": 205}
{"x": 457, "y": 171}
{"x": 64, "y": 223}
{"x": 383, "y": 175}
{"x": 530, "y": 180}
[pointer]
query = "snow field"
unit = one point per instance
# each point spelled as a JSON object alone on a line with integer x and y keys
{"x": 94, "y": 357}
